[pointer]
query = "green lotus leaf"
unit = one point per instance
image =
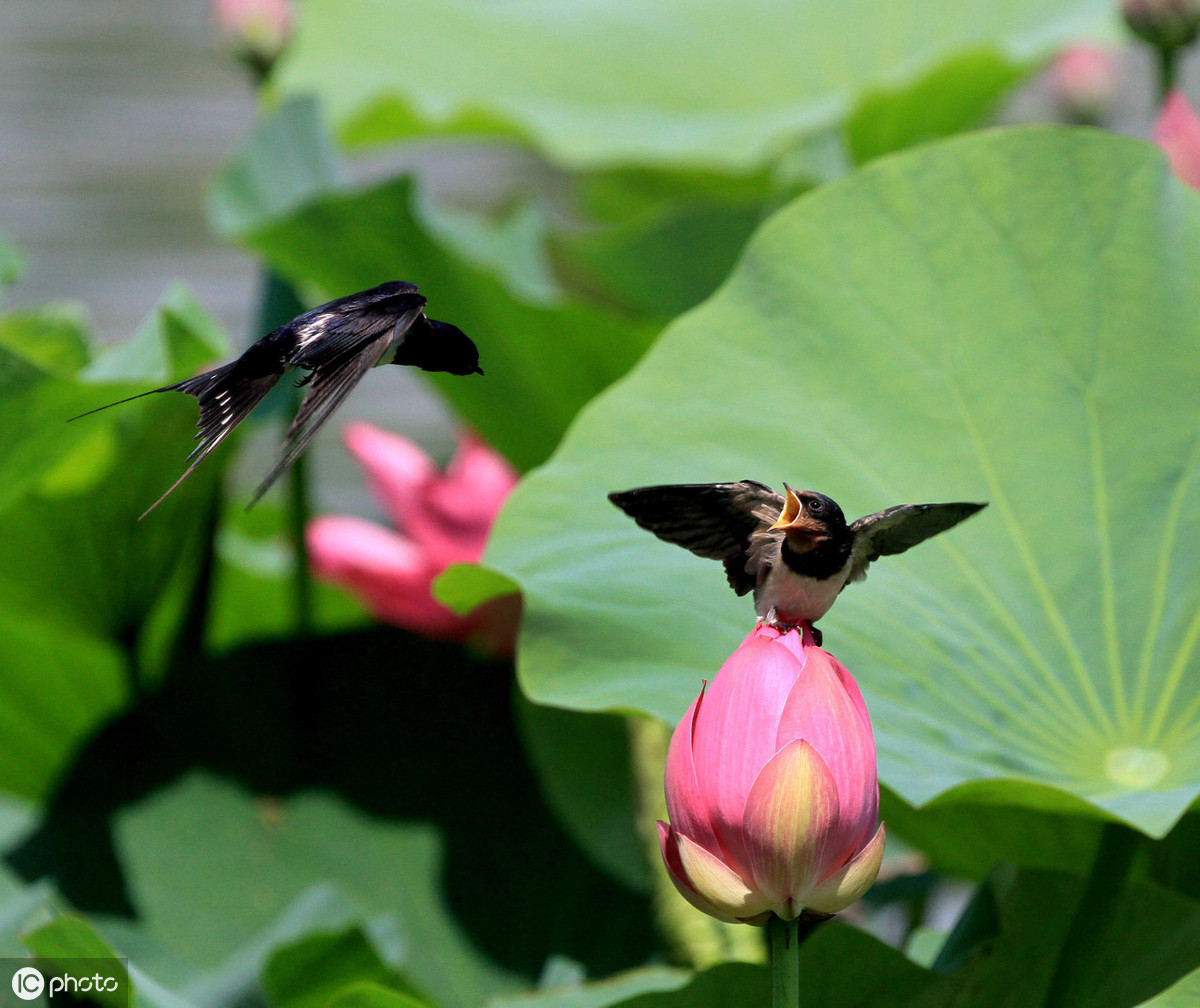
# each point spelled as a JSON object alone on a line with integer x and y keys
{"x": 286, "y": 161}
{"x": 679, "y": 82}
{"x": 1184, "y": 993}
{"x": 952, "y": 99}
{"x": 1009, "y": 317}
{"x": 83, "y": 584}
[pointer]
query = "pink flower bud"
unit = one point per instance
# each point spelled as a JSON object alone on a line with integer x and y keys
{"x": 771, "y": 786}
{"x": 258, "y": 27}
{"x": 1177, "y": 132}
{"x": 1165, "y": 24}
{"x": 1083, "y": 81}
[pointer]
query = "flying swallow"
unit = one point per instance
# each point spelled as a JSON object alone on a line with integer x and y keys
{"x": 337, "y": 344}
{"x": 795, "y": 552}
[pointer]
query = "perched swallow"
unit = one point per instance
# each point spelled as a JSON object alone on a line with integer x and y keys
{"x": 796, "y": 553}
{"x": 337, "y": 344}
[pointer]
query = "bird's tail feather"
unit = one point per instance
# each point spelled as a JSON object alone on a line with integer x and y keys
{"x": 98, "y": 409}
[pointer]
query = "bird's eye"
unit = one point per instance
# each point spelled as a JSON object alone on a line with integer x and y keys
{"x": 816, "y": 505}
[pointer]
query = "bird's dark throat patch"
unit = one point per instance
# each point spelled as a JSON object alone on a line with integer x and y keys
{"x": 821, "y": 560}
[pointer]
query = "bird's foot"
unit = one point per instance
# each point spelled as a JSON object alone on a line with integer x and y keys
{"x": 784, "y": 626}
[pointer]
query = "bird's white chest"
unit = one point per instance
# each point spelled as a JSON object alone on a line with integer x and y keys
{"x": 789, "y": 598}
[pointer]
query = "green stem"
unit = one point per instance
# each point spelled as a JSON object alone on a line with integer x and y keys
{"x": 1110, "y": 871}
{"x": 278, "y": 304}
{"x": 785, "y": 940}
{"x": 1168, "y": 64}
{"x": 299, "y": 513}
{"x": 193, "y": 631}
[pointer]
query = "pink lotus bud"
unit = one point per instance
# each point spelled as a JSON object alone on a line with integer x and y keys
{"x": 258, "y": 27}
{"x": 1177, "y": 132}
{"x": 771, "y": 786}
{"x": 1165, "y": 24}
{"x": 1083, "y": 81}
{"x": 441, "y": 518}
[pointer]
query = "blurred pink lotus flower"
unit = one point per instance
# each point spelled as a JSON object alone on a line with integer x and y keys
{"x": 258, "y": 27}
{"x": 1177, "y": 132}
{"x": 443, "y": 518}
{"x": 771, "y": 786}
{"x": 1083, "y": 81}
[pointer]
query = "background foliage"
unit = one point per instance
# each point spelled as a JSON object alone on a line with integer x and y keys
{"x": 688, "y": 251}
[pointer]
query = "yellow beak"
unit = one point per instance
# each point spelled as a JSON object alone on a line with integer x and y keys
{"x": 790, "y": 512}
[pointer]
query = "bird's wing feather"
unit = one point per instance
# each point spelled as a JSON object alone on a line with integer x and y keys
{"x": 717, "y": 521}
{"x": 225, "y": 401}
{"x": 896, "y": 529}
{"x": 329, "y": 339}
{"x": 339, "y": 342}
{"x": 329, "y": 386}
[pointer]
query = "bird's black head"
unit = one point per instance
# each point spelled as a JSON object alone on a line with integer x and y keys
{"x": 438, "y": 346}
{"x": 810, "y": 519}
{"x": 823, "y": 509}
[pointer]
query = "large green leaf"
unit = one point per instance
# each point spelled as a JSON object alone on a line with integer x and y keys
{"x": 1014, "y": 946}
{"x": 583, "y": 767}
{"x": 59, "y": 682}
{"x": 88, "y": 594}
{"x": 80, "y": 553}
{"x": 613, "y": 990}
{"x": 176, "y": 339}
{"x": 253, "y": 592}
{"x": 68, "y": 937}
{"x": 838, "y": 965}
{"x": 68, "y": 946}
{"x": 966, "y": 839}
{"x": 52, "y": 337}
{"x": 1184, "y": 993}
{"x": 372, "y": 995}
{"x": 1008, "y": 317}
{"x": 309, "y": 972}
{"x": 598, "y": 81}
{"x": 415, "y": 803}
{"x": 953, "y": 98}
{"x": 257, "y": 858}
{"x": 36, "y": 401}
{"x": 656, "y": 243}
{"x": 286, "y": 160}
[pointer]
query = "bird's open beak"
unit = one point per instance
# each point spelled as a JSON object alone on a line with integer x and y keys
{"x": 791, "y": 510}
{"x": 804, "y": 532}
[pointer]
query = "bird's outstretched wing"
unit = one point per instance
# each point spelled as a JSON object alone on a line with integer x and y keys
{"x": 337, "y": 343}
{"x": 327, "y": 387}
{"x": 226, "y": 396}
{"x": 717, "y": 521}
{"x": 331, "y": 334}
{"x": 896, "y": 529}
{"x": 224, "y": 403}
